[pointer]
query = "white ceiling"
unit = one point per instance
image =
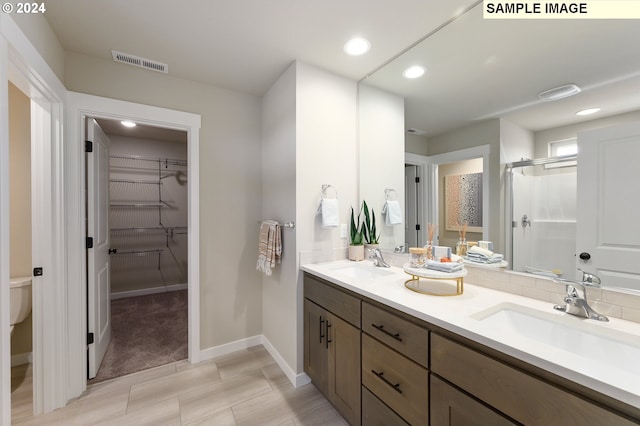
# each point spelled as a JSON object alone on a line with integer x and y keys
{"x": 245, "y": 45}
{"x": 476, "y": 68}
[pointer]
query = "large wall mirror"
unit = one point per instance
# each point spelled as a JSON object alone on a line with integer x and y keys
{"x": 481, "y": 88}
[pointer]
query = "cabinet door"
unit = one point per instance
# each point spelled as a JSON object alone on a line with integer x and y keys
{"x": 451, "y": 407}
{"x": 316, "y": 362}
{"x": 344, "y": 368}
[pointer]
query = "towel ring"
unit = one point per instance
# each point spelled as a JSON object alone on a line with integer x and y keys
{"x": 388, "y": 192}
{"x": 324, "y": 189}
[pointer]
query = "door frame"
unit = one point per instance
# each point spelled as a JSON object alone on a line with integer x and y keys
{"x": 421, "y": 163}
{"x": 80, "y": 106}
{"x": 432, "y": 195}
{"x": 22, "y": 64}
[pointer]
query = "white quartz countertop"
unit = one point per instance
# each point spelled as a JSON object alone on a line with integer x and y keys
{"x": 608, "y": 372}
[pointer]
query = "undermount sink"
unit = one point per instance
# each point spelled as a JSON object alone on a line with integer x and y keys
{"x": 586, "y": 338}
{"x": 362, "y": 271}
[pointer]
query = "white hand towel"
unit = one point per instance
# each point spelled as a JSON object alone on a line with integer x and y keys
{"x": 330, "y": 212}
{"x": 393, "y": 213}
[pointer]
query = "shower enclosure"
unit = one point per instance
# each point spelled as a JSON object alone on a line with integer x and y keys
{"x": 542, "y": 198}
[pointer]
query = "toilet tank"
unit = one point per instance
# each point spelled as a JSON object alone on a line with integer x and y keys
{"x": 20, "y": 294}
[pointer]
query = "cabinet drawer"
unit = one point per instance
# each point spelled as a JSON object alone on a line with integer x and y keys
{"x": 333, "y": 300}
{"x": 375, "y": 413}
{"x": 397, "y": 381}
{"x": 449, "y": 406}
{"x": 398, "y": 333}
{"x": 522, "y": 397}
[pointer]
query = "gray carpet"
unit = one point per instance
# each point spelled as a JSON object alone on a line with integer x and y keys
{"x": 146, "y": 331}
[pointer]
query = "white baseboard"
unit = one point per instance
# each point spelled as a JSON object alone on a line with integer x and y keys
{"x": 21, "y": 359}
{"x": 228, "y": 348}
{"x": 296, "y": 380}
{"x": 146, "y": 291}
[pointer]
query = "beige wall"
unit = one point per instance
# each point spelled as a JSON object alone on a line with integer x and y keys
{"x": 279, "y": 294}
{"x": 230, "y": 185}
{"x": 381, "y": 156}
{"x": 326, "y": 153}
{"x": 20, "y": 202}
{"x": 40, "y": 34}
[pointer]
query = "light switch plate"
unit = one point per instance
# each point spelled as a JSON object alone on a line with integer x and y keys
{"x": 343, "y": 230}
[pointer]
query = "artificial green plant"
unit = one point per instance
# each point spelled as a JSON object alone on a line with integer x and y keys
{"x": 357, "y": 229}
{"x": 371, "y": 236}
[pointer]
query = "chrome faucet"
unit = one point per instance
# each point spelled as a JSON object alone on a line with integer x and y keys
{"x": 576, "y": 298}
{"x": 402, "y": 248}
{"x": 378, "y": 260}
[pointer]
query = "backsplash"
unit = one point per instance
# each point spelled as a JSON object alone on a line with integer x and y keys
{"x": 607, "y": 302}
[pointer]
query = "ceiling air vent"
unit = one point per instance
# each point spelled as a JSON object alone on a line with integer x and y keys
{"x": 137, "y": 61}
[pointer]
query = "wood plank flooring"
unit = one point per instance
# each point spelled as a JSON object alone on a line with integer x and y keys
{"x": 243, "y": 388}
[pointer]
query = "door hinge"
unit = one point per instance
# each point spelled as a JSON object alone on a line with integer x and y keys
{"x": 89, "y": 242}
{"x": 37, "y": 272}
{"x": 417, "y": 179}
{"x": 88, "y": 146}
{"x": 417, "y": 226}
{"x": 89, "y": 338}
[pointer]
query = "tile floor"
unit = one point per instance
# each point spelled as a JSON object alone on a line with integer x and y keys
{"x": 243, "y": 388}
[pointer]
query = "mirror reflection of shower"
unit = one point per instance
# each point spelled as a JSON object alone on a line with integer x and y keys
{"x": 543, "y": 215}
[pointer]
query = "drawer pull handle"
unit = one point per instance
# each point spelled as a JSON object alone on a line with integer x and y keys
{"x": 381, "y": 328}
{"x": 327, "y": 340}
{"x": 380, "y": 375}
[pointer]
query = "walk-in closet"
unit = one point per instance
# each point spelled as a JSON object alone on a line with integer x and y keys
{"x": 148, "y": 248}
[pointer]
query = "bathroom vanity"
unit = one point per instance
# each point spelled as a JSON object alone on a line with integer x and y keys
{"x": 384, "y": 355}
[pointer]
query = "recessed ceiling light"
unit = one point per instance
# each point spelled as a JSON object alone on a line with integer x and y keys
{"x": 127, "y": 123}
{"x": 413, "y": 72}
{"x": 559, "y": 92}
{"x": 588, "y": 111}
{"x": 357, "y": 46}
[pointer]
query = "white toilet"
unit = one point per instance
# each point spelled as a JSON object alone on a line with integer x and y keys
{"x": 20, "y": 300}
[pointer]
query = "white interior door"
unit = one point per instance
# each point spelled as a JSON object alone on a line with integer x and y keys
{"x": 608, "y": 225}
{"x": 411, "y": 199}
{"x": 98, "y": 265}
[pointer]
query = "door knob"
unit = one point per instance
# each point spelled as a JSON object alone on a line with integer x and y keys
{"x": 585, "y": 256}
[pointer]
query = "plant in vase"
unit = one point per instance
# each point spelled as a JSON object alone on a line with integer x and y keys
{"x": 356, "y": 247}
{"x": 371, "y": 235}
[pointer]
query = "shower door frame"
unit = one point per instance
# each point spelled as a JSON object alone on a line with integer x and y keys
{"x": 509, "y": 194}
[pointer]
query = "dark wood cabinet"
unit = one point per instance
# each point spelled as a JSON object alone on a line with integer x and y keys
{"x": 451, "y": 407}
{"x": 332, "y": 350}
{"x": 380, "y": 366}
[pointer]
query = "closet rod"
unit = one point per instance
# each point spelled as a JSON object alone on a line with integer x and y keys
{"x": 150, "y": 182}
{"x": 172, "y": 161}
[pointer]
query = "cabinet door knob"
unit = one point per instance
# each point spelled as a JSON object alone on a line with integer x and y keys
{"x": 585, "y": 256}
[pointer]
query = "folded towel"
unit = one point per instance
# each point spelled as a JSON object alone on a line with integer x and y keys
{"x": 481, "y": 255}
{"x": 330, "y": 212}
{"x": 444, "y": 266}
{"x": 269, "y": 246}
{"x": 393, "y": 213}
{"x": 441, "y": 251}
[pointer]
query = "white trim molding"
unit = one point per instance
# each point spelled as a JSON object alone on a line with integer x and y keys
{"x": 81, "y": 106}
{"x": 296, "y": 380}
{"x": 22, "y": 64}
{"x": 148, "y": 291}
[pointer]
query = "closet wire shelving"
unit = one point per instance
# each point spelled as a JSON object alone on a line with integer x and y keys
{"x": 136, "y": 164}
